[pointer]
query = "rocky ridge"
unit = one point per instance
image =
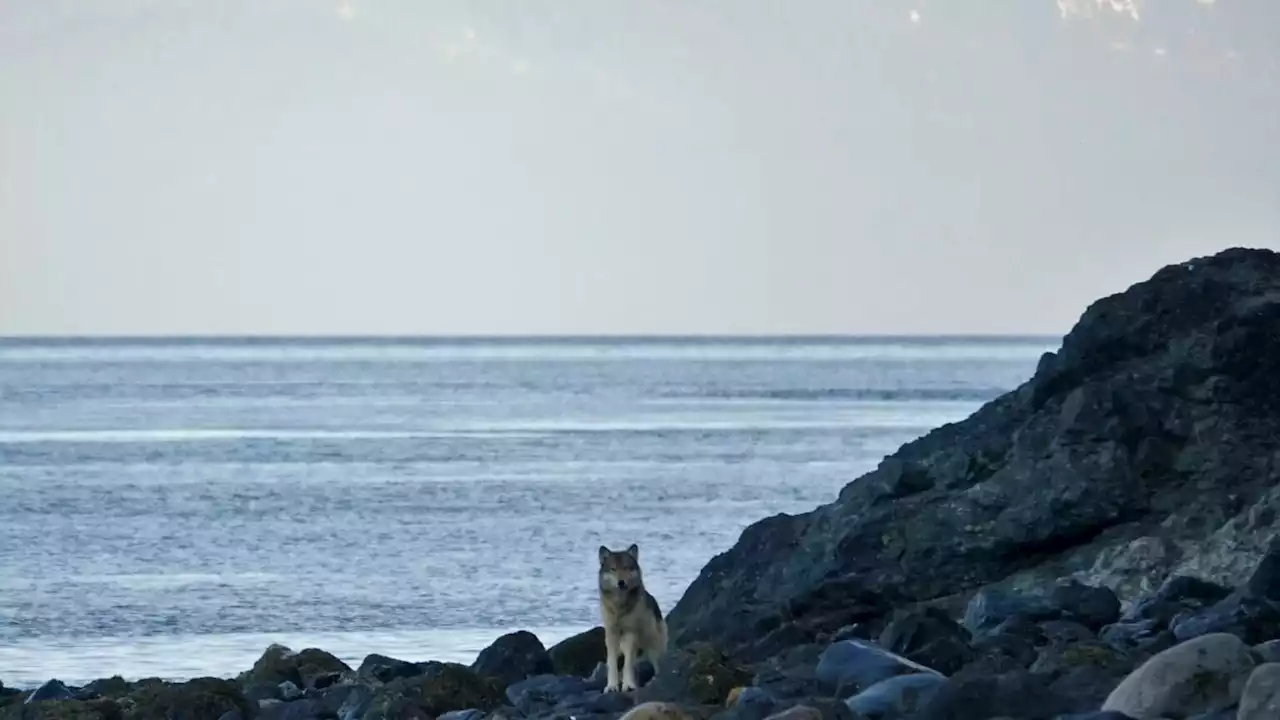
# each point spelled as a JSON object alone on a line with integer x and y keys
{"x": 1098, "y": 543}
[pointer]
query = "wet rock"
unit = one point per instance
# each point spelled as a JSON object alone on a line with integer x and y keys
{"x": 1267, "y": 652}
{"x": 305, "y": 709}
{"x": 514, "y": 657}
{"x": 578, "y": 655}
{"x": 280, "y": 664}
{"x": 543, "y": 692}
{"x": 51, "y": 690}
{"x": 385, "y": 669}
{"x": 1017, "y": 694}
{"x": 897, "y": 697}
{"x": 462, "y": 715}
{"x": 798, "y": 712}
{"x": 1251, "y": 618}
{"x": 749, "y": 703}
{"x": 1084, "y": 674}
{"x": 258, "y": 693}
{"x": 1096, "y": 715}
{"x": 929, "y": 637}
{"x": 439, "y": 688}
{"x": 1265, "y": 580}
{"x": 112, "y": 687}
{"x": 656, "y": 711}
{"x": 1205, "y": 674}
{"x": 1057, "y": 659}
{"x": 318, "y": 668}
{"x": 97, "y": 709}
{"x": 791, "y": 674}
{"x": 1260, "y": 699}
{"x": 698, "y": 675}
{"x": 347, "y": 702}
{"x": 1067, "y": 599}
{"x": 851, "y": 666}
{"x": 198, "y": 699}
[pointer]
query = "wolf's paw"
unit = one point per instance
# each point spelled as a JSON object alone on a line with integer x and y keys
{"x": 613, "y": 687}
{"x": 628, "y": 687}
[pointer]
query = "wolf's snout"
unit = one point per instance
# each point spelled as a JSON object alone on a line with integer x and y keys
{"x": 622, "y": 584}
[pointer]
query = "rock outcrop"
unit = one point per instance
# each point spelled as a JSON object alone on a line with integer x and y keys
{"x": 1147, "y": 446}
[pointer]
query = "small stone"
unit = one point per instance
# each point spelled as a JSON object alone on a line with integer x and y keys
{"x": 1205, "y": 674}
{"x": 851, "y": 666}
{"x": 656, "y": 711}
{"x": 900, "y": 696}
{"x": 1261, "y": 697}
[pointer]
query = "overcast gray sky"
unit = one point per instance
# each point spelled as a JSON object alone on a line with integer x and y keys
{"x": 629, "y": 166}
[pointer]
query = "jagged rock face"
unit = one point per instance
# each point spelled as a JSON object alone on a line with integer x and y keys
{"x": 1157, "y": 424}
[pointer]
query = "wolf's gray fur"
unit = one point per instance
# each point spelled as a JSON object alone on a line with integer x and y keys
{"x": 632, "y": 619}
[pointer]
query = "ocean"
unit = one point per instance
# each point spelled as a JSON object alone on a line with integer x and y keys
{"x": 169, "y": 507}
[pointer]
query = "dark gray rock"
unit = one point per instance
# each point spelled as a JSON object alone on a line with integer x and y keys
{"x": 1251, "y": 618}
{"x": 930, "y": 637}
{"x": 543, "y": 692}
{"x": 1268, "y": 652}
{"x": 1068, "y": 599}
{"x": 1096, "y": 715}
{"x": 792, "y": 674}
{"x": 753, "y": 703}
{"x": 112, "y": 687}
{"x": 514, "y": 657}
{"x": 439, "y": 688}
{"x": 700, "y": 674}
{"x": 579, "y": 654}
{"x": 1016, "y": 695}
{"x": 305, "y": 709}
{"x": 347, "y": 702}
{"x": 462, "y": 715}
{"x": 385, "y": 669}
{"x": 851, "y": 666}
{"x": 897, "y": 697}
{"x": 1265, "y": 580}
{"x": 50, "y": 691}
{"x": 1066, "y": 631}
{"x": 1158, "y": 417}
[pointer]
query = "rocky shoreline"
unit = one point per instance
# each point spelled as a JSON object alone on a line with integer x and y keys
{"x": 1098, "y": 543}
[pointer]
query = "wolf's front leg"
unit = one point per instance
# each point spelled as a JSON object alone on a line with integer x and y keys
{"x": 611, "y": 660}
{"x": 628, "y": 662}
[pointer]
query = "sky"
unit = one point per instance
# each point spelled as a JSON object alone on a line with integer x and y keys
{"x": 466, "y": 167}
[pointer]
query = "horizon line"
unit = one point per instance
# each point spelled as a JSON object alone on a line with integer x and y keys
{"x": 520, "y": 337}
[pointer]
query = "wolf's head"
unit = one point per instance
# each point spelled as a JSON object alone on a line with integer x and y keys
{"x": 620, "y": 571}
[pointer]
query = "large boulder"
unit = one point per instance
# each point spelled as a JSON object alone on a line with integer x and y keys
{"x": 579, "y": 654}
{"x": 1158, "y": 418}
{"x": 514, "y": 657}
{"x": 1203, "y": 675}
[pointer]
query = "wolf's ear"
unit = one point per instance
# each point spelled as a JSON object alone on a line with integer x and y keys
{"x": 634, "y": 551}
{"x": 603, "y": 553}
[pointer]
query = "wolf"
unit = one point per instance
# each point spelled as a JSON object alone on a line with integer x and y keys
{"x": 633, "y": 621}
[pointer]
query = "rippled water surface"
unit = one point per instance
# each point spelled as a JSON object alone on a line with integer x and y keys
{"x": 168, "y": 508}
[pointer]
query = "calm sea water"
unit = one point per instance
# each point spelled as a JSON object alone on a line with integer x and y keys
{"x": 168, "y": 508}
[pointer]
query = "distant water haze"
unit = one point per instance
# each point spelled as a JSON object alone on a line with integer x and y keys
{"x": 639, "y": 166}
